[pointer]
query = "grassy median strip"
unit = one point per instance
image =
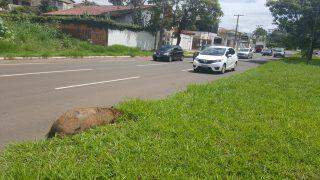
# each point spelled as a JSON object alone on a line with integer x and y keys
{"x": 263, "y": 123}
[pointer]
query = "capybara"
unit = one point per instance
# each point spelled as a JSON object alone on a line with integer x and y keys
{"x": 79, "y": 120}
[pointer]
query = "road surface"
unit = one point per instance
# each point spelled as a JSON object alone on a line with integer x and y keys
{"x": 33, "y": 94}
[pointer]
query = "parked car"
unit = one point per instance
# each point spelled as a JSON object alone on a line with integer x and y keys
{"x": 195, "y": 54}
{"x": 245, "y": 53}
{"x": 267, "y": 52}
{"x": 168, "y": 53}
{"x": 216, "y": 58}
{"x": 279, "y": 52}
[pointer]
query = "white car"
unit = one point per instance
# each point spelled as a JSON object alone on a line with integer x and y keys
{"x": 216, "y": 58}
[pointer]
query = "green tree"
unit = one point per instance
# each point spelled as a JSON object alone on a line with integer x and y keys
{"x": 4, "y": 4}
{"x": 117, "y": 2}
{"x": 46, "y": 6}
{"x": 188, "y": 15}
{"x": 300, "y": 19}
{"x": 89, "y": 3}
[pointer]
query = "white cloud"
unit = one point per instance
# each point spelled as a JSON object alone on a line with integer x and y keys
{"x": 255, "y": 13}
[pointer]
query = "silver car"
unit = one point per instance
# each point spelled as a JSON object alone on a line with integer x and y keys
{"x": 279, "y": 52}
{"x": 245, "y": 53}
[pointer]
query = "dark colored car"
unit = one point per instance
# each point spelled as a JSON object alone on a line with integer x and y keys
{"x": 267, "y": 52}
{"x": 168, "y": 53}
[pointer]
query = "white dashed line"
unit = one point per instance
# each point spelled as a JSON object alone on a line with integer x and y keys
{"x": 95, "y": 83}
{"x": 47, "y": 72}
{"x": 186, "y": 70}
{"x": 158, "y": 64}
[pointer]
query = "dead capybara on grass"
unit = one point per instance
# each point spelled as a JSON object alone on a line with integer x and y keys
{"x": 79, "y": 120}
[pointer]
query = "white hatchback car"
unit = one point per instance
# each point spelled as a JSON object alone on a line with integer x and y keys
{"x": 216, "y": 58}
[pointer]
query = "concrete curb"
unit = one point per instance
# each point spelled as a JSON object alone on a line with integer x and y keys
{"x": 62, "y": 57}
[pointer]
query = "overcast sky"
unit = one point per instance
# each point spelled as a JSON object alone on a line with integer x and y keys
{"x": 255, "y": 13}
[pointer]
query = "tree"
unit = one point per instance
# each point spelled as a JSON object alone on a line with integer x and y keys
{"x": 188, "y": 15}
{"x": 300, "y": 20}
{"x": 117, "y": 2}
{"x": 4, "y": 4}
{"x": 45, "y": 6}
{"x": 89, "y": 3}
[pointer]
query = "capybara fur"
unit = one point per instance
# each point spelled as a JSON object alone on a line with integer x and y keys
{"x": 79, "y": 120}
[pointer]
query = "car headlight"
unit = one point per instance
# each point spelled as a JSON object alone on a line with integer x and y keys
{"x": 154, "y": 53}
{"x": 167, "y": 54}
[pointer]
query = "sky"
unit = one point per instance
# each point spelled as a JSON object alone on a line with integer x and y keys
{"x": 255, "y": 13}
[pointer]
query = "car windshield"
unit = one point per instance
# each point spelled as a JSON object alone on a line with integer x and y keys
{"x": 213, "y": 51}
{"x": 165, "y": 48}
{"x": 279, "y": 50}
{"x": 244, "y": 50}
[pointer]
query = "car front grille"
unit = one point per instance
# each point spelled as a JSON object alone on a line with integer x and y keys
{"x": 203, "y": 61}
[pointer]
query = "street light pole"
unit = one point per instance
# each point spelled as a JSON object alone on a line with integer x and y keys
{"x": 237, "y": 26}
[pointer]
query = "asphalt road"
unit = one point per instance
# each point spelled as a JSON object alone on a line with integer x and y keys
{"x": 33, "y": 94}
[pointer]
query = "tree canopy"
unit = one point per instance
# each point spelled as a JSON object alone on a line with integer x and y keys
{"x": 300, "y": 19}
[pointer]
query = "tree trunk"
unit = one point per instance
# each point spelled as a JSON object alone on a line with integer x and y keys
{"x": 178, "y": 39}
{"x": 310, "y": 53}
{"x": 161, "y": 38}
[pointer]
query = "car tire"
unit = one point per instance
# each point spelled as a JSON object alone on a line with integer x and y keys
{"x": 223, "y": 69}
{"x": 234, "y": 67}
{"x": 196, "y": 70}
{"x": 182, "y": 57}
{"x": 155, "y": 59}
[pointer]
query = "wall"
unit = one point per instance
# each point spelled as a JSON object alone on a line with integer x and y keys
{"x": 142, "y": 40}
{"x": 93, "y": 35}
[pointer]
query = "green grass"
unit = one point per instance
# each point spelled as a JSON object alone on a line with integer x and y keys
{"x": 32, "y": 39}
{"x": 263, "y": 123}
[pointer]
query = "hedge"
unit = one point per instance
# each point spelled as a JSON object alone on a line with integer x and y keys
{"x": 87, "y": 20}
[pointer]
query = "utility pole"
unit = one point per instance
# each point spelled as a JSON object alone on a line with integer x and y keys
{"x": 237, "y": 26}
{"x": 313, "y": 32}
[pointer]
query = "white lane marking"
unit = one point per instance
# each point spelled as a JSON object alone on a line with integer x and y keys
{"x": 95, "y": 83}
{"x": 158, "y": 64}
{"x": 186, "y": 70}
{"x": 21, "y": 64}
{"x": 48, "y": 72}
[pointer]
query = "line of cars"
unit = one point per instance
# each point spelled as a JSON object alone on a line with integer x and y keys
{"x": 214, "y": 58}
{"x": 276, "y": 52}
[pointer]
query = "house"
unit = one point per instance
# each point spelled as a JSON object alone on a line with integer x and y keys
{"x": 192, "y": 40}
{"x": 59, "y": 4}
{"x": 33, "y": 3}
{"x": 103, "y": 35}
{"x": 63, "y": 4}
{"x": 120, "y": 14}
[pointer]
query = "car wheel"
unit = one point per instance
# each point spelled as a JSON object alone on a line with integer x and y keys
{"x": 155, "y": 59}
{"x": 223, "y": 69}
{"x": 196, "y": 70}
{"x": 234, "y": 67}
{"x": 182, "y": 57}
{"x": 170, "y": 58}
